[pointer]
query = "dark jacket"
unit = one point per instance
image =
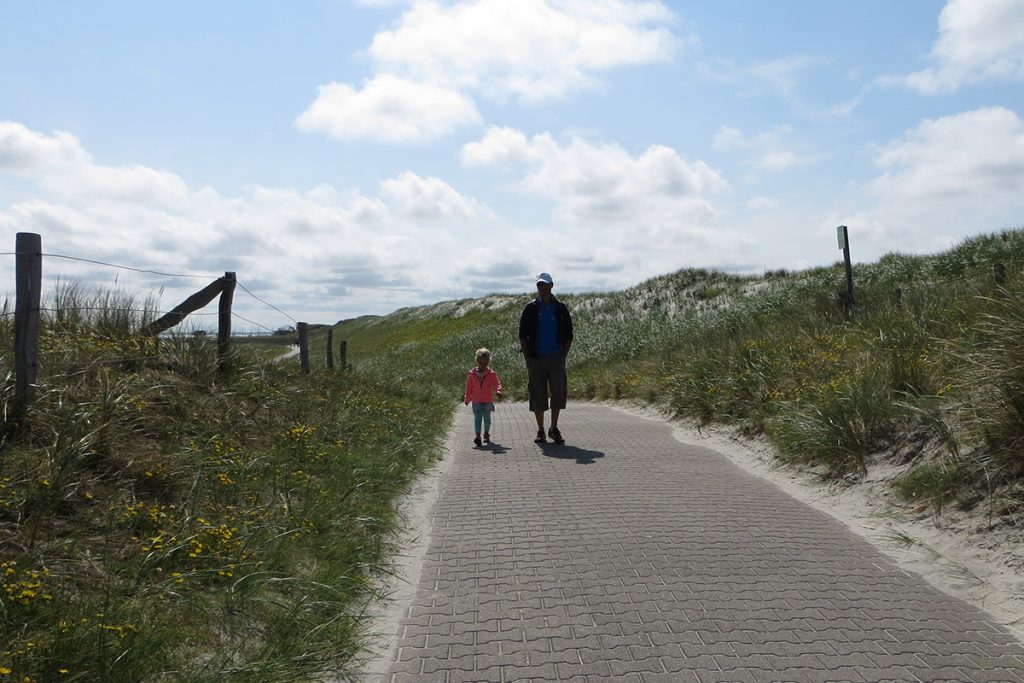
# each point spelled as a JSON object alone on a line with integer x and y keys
{"x": 528, "y": 325}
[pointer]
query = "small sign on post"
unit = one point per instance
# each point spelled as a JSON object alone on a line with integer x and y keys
{"x": 843, "y": 237}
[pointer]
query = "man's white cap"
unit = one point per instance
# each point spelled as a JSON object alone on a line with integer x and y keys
{"x": 544, "y": 277}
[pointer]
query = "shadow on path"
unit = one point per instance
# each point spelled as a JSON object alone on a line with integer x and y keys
{"x": 582, "y": 456}
{"x": 492, "y": 447}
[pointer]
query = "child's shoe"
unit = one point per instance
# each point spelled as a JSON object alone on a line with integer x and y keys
{"x": 477, "y": 440}
{"x": 487, "y": 437}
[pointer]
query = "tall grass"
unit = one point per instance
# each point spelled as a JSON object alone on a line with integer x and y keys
{"x": 159, "y": 521}
{"x": 775, "y": 354}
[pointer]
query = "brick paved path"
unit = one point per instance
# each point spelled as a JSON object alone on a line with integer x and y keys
{"x": 628, "y": 556}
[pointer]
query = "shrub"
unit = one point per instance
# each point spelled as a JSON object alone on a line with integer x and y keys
{"x": 931, "y": 483}
{"x": 841, "y": 426}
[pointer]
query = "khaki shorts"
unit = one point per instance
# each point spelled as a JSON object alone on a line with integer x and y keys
{"x": 546, "y": 374}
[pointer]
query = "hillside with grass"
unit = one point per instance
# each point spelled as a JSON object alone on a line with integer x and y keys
{"x": 160, "y": 520}
{"x": 163, "y": 521}
{"x": 928, "y": 368}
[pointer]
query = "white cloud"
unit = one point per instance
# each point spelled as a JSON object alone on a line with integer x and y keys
{"x": 763, "y": 204}
{"x": 532, "y": 50}
{"x": 945, "y": 178}
{"x": 728, "y": 137}
{"x": 784, "y": 75}
{"x": 430, "y": 199}
{"x": 60, "y": 164}
{"x": 321, "y": 255}
{"x": 501, "y": 146}
{"x": 783, "y": 160}
{"x": 978, "y": 39}
{"x": 656, "y": 195}
{"x": 27, "y": 151}
{"x": 792, "y": 80}
{"x": 975, "y": 154}
{"x": 529, "y": 50}
{"x": 768, "y": 151}
{"x": 388, "y": 109}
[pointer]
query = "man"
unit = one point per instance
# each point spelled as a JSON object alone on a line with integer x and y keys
{"x": 545, "y": 335}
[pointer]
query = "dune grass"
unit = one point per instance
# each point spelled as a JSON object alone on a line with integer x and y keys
{"x": 161, "y": 522}
{"x": 775, "y": 354}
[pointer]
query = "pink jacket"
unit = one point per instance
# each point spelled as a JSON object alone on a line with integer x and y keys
{"x": 479, "y": 390}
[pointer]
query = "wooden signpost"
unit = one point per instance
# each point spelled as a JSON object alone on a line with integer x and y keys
{"x": 846, "y": 298}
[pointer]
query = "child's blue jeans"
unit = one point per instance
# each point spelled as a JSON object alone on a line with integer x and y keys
{"x": 482, "y": 413}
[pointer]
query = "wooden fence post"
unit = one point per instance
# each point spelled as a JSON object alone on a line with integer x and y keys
{"x": 330, "y": 348}
{"x": 343, "y": 352}
{"x": 303, "y": 330}
{"x": 179, "y": 312}
{"x": 227, "y": 293}
{"x": 897, "y": 297}
{"x": 29, "y": 281}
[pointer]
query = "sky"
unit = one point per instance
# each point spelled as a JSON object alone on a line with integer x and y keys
{"x": 351, "y": 157}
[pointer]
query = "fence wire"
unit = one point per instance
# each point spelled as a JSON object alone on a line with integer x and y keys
{"x": 162, "y": 274}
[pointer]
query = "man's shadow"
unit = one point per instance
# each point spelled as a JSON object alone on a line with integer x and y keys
{"x": 582, "y": 456}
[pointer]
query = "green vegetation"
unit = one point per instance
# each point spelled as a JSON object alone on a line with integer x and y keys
{"x": 775, "y": 355}
{"x": 159, "y": 521}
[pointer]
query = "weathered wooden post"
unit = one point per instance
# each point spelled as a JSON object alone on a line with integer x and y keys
{"x": 897, "y": 297}
{"x": 227, "y": 293}
{"x": 179, "y": 312}
{"x": 303, "y": 330}
{"x": 843, "y": 235}
{"x": 999, "y": 275}
{"x": 343, "y": 352}
{"x": 330, "y": 348}
{"x": 28, "y": 270}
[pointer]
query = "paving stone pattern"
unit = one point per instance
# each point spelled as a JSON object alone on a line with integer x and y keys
{"x": 625, "y": 555}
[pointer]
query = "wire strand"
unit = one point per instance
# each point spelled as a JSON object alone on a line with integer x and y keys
{"x": 265, "y": 302}
{"x": 252, "y": 322}
{"x": 137, "y": 270}
{"x": 88, "y": 364}
{"x": 122, "y": 310}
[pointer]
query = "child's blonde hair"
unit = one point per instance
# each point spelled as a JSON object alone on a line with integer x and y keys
{"x": 483, "y": 353}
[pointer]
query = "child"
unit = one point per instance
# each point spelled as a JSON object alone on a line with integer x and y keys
{"x": 480, "y": 384}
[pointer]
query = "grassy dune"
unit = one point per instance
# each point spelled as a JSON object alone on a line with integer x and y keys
{"x": 936, "y": 380}
{"x": 161, "y": 522}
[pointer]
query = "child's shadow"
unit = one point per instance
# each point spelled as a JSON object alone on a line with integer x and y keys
{"x": 582, "y": 456}
{"x": 495, "y": 448}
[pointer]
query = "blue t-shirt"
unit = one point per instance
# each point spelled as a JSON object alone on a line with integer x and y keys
{"x": 547, "y": 330}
